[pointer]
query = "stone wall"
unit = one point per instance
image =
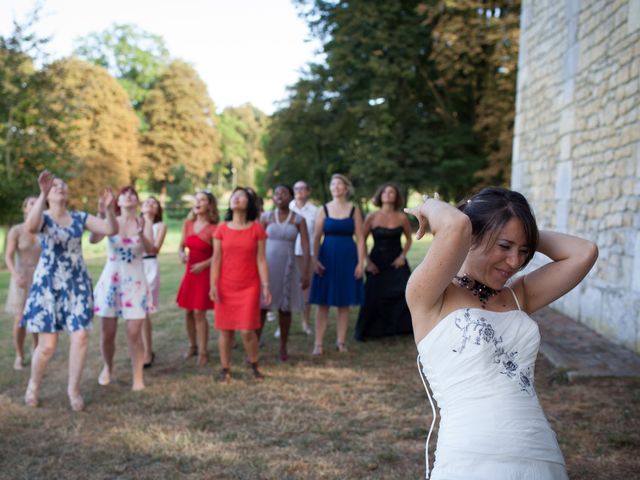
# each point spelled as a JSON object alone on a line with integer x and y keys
{"x": 576, "y": 149}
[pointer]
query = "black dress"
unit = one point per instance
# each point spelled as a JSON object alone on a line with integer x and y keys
{"x": 385, "y": 311}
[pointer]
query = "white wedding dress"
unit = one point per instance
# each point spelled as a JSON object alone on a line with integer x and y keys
{"x": 480, "y": 365}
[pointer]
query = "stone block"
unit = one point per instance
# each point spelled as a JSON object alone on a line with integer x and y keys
{"x": 633, "y": 16}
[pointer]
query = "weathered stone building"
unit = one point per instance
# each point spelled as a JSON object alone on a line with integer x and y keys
{"x": 576, "y": 150}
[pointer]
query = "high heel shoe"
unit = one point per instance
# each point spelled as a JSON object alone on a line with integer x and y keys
{"x": 150, "y": 363}
{"x": 31, "y": 397}
{"x": 341, "y": 347}
{"x": 317, "y": 350}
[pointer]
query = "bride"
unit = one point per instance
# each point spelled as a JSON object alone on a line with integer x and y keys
{"x": 476, "y": 342}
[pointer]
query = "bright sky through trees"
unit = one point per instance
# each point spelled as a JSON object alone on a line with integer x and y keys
{"x": 244, "y": 50}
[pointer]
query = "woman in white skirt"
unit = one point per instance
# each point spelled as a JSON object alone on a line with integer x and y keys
{"x": 476, "y": 341}
{"x": 152, "y": 213}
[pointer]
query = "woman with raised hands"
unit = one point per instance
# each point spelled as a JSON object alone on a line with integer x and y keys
{"x": 477, "y": 344}
{"x": 61, "y": 296}
{"x": 152, "y": 214}
{"x": 122, "y": 290}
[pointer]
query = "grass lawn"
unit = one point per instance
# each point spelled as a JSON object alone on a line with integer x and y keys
{"x": 352, "y": 416}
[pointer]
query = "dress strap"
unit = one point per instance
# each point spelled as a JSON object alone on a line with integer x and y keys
{"x": 515, "y": 297}
{"x": 433, "y": 421}
{"x": 326, "y": 210}
{"x": 353, "y": 210}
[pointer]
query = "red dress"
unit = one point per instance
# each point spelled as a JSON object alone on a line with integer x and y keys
{"x": 193, "y": 293}
{"x": 238, "y": 306}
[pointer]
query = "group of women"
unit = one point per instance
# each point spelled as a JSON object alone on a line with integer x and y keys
{"x": 469, "y": 312}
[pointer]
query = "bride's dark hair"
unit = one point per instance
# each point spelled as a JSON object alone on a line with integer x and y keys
{"x": 489, "y": 211}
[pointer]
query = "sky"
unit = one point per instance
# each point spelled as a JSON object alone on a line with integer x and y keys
{"x": 244, "y": 50}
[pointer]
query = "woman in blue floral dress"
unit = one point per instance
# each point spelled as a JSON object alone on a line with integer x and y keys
{"x": 60, "y": 297}
{"x": 122, "y": 290}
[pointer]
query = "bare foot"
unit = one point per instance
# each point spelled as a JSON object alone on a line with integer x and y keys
{"x": 105, "y": 376}
{"x": 77, "y": 402}
{"x": 31, "y": 396}
{"x": 203, "y": 358}
{"x": 136, "y": 387}
{"x": 18, "y": 363}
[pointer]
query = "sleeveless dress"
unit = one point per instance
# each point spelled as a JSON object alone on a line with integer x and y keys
{"x": 193, "y": 293}
{"x": 61, "y": 294}
{"x": 238, "y": 306}
{"x": 152, "y": 271}
{"x": 122, "y": 289}
{"x": 26, "y": 259}
{"x": 480, "y": 366}
{"x": 284, "y": 276}
{"x": 385, "y": 311}
{"x": 338, "y": 253}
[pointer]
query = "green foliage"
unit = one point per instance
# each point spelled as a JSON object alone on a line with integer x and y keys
{"x": 180, "y": 186}
{"x": 132, "y": 55}
{"x": 182, "y": 126}
{"x": 25, "y": 135}
{"x": 241, "y": 130}
{"x": 404, "y": 96}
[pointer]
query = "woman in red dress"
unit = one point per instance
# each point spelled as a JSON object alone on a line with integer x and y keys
{"x": 238, "y": 275}
{"x": 193, "y": 295}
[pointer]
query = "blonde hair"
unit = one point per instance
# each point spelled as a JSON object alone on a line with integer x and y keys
{"x": 345, "y": 180}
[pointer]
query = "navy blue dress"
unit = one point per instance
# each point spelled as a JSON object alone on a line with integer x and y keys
{"x": 338, "y": 253}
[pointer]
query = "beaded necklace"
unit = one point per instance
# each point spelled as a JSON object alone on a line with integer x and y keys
{"x": 480, "y": 290}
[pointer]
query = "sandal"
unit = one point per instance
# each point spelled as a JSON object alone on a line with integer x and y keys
{"x": 341, "y": 347}
{"x": 257, "y": 375}
{"x": 192, "y": 351}
{"x": 317, "y": 350}
{"x": 224, "y": 376}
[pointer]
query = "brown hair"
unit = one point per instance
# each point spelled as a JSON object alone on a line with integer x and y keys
{"x": 158, "y": 217}
{"x": 377, "y": 198}
{"x": 26, "y": 201}
{"x": 213, "y": 216}
{"x": 489, "y": 211}
{"x": 128, "y": 188}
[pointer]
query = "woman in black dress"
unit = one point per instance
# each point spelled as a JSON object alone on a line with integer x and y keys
{"x": 385, "y": 310}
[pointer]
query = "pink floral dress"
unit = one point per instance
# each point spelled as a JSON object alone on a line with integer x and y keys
{"x": 122, "y": 289}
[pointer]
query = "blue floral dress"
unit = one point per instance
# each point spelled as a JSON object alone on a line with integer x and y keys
{"x": 122, "y": 290}
{"x": 60, "y": 297}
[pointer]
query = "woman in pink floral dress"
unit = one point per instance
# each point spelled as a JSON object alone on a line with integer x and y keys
{"x": 122, "y": 289}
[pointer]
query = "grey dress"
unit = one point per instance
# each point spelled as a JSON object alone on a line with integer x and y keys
{"x": 284, "y": 276}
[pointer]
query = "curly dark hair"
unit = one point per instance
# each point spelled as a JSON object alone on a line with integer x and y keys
{"x": 377, "y": 197}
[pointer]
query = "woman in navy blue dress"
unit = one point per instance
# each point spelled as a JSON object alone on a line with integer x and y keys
{"x": 337, "y": 280}
{"x": 61, "y": 295}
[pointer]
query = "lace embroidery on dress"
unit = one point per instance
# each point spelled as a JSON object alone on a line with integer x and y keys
{"x": 478, "y": 330}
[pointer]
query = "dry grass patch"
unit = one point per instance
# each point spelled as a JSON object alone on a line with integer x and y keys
{"x": 358, "y": 415}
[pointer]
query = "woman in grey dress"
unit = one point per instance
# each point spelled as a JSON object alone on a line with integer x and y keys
{"x": 285, "y": 280}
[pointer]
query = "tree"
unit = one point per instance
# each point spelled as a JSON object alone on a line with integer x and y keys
{"x": 385, "y": 107}
{"x": 103, "y": 135}
{"x": 182, "y": 126}
{"x": 132, "y": 55}
{"x": 24, "y": 138}
{"x": 241, "y": 131}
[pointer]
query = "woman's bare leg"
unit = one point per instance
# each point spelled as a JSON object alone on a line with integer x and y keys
{"x": 108, "y": 348}
{"x": 79, "y": 343}
{"x": 136, "y": 352}
{"x": 41, "y": 355}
